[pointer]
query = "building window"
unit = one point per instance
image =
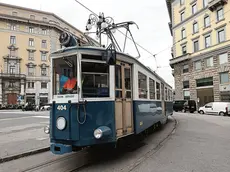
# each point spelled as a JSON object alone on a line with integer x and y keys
{"x": 30, "y": 84}
{"x": 158, "y": 91}
{"x": 207, "y": 40}
{"x": 13, "y": 27}
{"x": 43, "y": 85}
{"x": 44, "y": 45}
{"x": 206, "y": 21}
{"x": 31, "y": 29}
{"x": 44, "y": 31}
{"x": 183, "y": 34}
{"x": 186, "y": 95}
{"x": 195, "y": 27}
{"x": 184, "y": 49}
{"x": 224, "y": 78}
{"x": 14, "y": 13}
{"x": 223, "y": 58}
{"x": 182, "y": 16}
{"x": 196, "y": 45}
{"x": 197, "y": 65}
{"x": 43, "y": 71}
{"x": 205, "y": 3}
{"x": 31, "y": 42}
{"x": 182, "y": 2}
{"x": 220, "y": 14}
{"x": 12, "y": 69}
{"x": 151, "y": 88}
{"x": 204, "y": 82}
{"x": 221, "y": 35}
{"x": 31, "y": 71}
{"x": 13, "y": 40}
{"x": 44, "y": 19}
{"x": 43, "y": 56}
{"x": 194, "y": 9}
{"x": 32, "y": 17}
{"x": 185, "y": 69}
{"x": 209, "y": 62}
{"x": 142, "y": 85}
{"x": 185, "y": 84}
{"x": 12, "y": 52}
{"x": 31, "y": 55}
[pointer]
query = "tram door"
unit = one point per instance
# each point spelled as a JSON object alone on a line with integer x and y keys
{"x": 123, "y": 104}
{"x": 163, "y": 99}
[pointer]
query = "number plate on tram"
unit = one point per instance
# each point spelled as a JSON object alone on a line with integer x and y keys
{"x": 61, "y": 107}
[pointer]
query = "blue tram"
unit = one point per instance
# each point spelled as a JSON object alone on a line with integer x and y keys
{"x": 115, "y": 96}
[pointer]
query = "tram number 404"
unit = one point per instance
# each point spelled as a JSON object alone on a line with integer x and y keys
{"x": 61, "y": 107}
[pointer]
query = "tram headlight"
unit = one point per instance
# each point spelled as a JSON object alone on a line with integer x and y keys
{"x": 47, "y": 129}
{"x": 98, "y": 133}
{"x": 61, "y": 123}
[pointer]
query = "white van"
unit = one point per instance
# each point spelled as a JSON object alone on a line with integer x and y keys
{"x": 215, "y": 108}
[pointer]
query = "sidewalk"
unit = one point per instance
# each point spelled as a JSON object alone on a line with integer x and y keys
{"x": 20, "y": 136}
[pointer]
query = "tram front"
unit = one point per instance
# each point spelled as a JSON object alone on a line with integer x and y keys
{"x": 82, "y": 112}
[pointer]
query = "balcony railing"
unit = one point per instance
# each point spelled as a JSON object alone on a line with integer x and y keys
{"x": 213, "y": 4}
{"x": 180, "y": 59}
{"x": 10, "y": 75}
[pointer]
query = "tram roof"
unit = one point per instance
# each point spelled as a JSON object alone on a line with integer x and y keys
{"x": 69, "y": 49}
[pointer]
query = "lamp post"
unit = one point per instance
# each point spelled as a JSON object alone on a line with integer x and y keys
{"x": 100, "y": 22}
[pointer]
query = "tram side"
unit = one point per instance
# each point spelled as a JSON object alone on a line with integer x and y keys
{"x": 152, "y": 101}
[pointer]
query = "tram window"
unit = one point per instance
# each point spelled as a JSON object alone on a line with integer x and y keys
{"x": 158, "y": 91}
{"x": 166, "y": 95}
{"x": 95, "y": 79}
{"x": 151, "y": 88}
{"x": 65, "y": 75}
{"x": 118, "y": 81}
{"x": 142, "y": 85}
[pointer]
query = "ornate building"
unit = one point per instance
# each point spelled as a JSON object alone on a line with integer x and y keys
{"x": 201, "y": 49}
{"x": 27, "y": 38}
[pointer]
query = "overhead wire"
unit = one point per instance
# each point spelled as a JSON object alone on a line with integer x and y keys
{"x": 117, "y": 29}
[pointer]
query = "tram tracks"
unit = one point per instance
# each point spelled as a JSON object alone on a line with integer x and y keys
{"x": 86, "y": 158}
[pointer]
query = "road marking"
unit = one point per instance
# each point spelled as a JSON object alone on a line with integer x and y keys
{"x": 42, "y": 138}
{"x": 8, "y": 119}
{"x": 41, "y": 116}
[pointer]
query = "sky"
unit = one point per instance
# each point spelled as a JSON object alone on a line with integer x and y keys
{"x": 150, "y": 15}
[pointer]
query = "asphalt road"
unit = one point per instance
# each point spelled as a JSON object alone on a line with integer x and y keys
{"x": 22, "y": 131}
{"x": 200, "y": 143}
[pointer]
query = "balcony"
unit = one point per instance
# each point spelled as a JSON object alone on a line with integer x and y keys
{"x": 213, "y": 4}
{"x": 179, "y": 59}
{"x": 12, "y": 76}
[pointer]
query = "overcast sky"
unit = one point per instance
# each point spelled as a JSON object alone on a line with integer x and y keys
{"x": 150, "y": 15}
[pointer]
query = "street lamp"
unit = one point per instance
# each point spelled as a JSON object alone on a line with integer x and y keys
{"x": 100, "y": 22}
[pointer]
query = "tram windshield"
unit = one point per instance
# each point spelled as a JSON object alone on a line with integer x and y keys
{"x": 65, "y": 75}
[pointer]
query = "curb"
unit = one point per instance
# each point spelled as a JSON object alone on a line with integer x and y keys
{"x": 14, "y": 157}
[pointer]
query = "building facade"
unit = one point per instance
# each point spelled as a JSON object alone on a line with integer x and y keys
{"x": 201, "y": 49}
{"x": 27, "y": 38}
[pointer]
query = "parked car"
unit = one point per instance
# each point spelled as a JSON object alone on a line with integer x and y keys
{"x": 216, "y": 108}
{"x": 45, "y": 107}
{"x": 190, "y": 106}
{"x": 184, "y": 105}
